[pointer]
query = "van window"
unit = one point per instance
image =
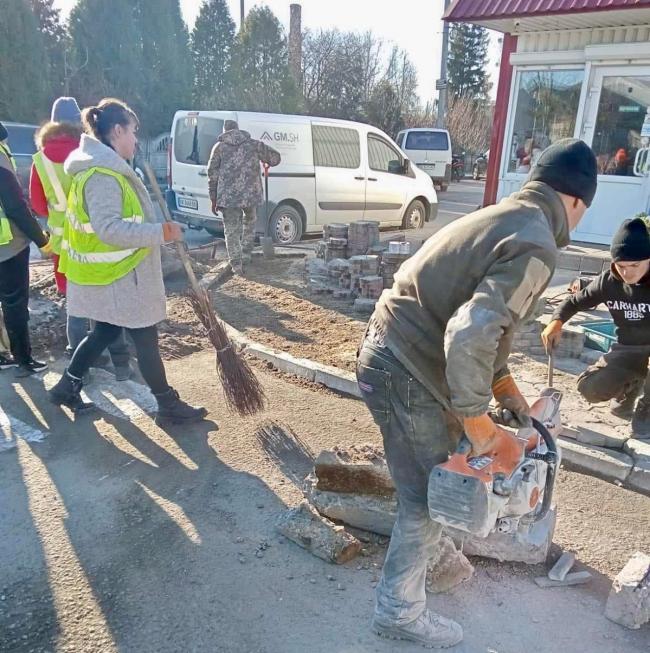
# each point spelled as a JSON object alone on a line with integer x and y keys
{"x": 380, "y": 154}
{"x": 195, "y": 137}
{"x": 400, "y": 139}
{"x": 21, "y": 139}
{"x": 336, "y": 147}
{"x": 427, "y": 141}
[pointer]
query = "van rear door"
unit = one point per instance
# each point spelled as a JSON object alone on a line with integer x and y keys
{"x": 430, "y": 150}
{"x": 193, "y": 139}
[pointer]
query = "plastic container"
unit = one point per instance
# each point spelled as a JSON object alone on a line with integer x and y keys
{"x": 599, "y": 334}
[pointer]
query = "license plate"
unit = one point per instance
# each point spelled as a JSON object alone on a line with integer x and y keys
{"x": 428, "y": 167}
{"x": 187, "y": 203}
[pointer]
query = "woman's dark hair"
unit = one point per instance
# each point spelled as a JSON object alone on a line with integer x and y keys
{"x": 100, "y": 120}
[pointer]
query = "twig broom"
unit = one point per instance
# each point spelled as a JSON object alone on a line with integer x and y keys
{"x": 243, "y": 391}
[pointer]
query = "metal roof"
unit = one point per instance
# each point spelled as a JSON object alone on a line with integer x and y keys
{"x": 534, "y": 15}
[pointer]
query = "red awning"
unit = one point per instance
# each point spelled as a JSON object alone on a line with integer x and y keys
{"x": 480, "y": 10}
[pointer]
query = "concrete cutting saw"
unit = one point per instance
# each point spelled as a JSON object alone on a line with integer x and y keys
{"x": 482, "y": 494}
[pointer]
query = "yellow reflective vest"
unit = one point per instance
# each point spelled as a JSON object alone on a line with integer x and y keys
{"x": 6, "y": 236}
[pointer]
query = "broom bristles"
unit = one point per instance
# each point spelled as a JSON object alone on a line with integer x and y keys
{"x": 243, "y": 391}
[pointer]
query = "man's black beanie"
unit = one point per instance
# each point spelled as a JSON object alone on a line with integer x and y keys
{"x": 3, "y": 132}
{"x": 569, "y": 167}
{"x": 631, "y": 242}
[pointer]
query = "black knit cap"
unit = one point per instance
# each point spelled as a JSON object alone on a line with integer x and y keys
{"x": 3, "y": 133}
{"x": 569, "y": 167}
{"x": 631, "y": 242}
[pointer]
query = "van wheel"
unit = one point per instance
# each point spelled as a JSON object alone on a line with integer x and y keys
{"x": 415, "y": 216}
{"x": 286, "y": 225}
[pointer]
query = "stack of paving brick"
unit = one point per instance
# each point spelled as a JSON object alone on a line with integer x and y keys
{"x": 362, "y": 236}
{"x": 335, "y": 230}
{"x": 362, "y": 266}
{"x": 336, "y": 248}
{"x": 317, "y": 275}
{"x": 371, "y": 287}
{"x": 390, "y": 264}
{"x": 340, "y": 278}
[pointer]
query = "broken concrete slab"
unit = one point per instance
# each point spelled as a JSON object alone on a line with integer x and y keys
{"x": 608, "y": 464}
{"x": 530, "y": 546}
{"x": 359, "y": 469}
{"x": 448, "y": 569}
{"x": 304, "y": 526}
{"x": 576, "y": 578}
{"x": 378, "y": 513}
{"x": 368, "y": 512}
{"x": 562, "y": 567}
{"x": 629, "y": 600}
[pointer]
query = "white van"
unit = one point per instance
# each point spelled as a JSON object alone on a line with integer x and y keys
{"x": 430, "y": 150}
{"x": 331, "y": 171}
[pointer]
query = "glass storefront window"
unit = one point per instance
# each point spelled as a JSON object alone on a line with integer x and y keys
{"x": 545, "y": 111}
{"x": 622, "y": 109}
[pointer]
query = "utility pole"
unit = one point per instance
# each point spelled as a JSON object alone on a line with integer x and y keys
{"x": 242, "y": 14}
{"x": 443, "y": 83}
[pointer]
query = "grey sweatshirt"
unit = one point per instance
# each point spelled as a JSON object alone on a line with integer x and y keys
{"x": 138, "y": 299}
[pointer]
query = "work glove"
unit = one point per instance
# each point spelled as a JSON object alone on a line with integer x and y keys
{"x": 512, "y": 409}
{"x": 487, "y": 438}
{"x": 552, "y": 335}
{"x": 172, "y": 232}
{"x": 46, "y": 250}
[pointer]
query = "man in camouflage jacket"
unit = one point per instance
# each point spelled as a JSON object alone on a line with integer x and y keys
{"x": 436, "y": 352}
{"x": 236, "y": 186}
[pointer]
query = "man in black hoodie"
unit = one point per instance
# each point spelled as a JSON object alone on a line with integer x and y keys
{"x": 621, "y": 374}
{"x": 17, "y": 228}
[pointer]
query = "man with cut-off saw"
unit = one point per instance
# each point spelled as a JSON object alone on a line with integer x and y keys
{"x": 436, "y": 352}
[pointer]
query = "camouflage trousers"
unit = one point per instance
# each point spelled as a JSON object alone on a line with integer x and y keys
{"x": 240, "y": 233}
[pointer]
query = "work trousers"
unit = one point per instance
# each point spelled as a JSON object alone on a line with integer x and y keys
{"x": 14, "y": 298}
{"x": 239, "y": 230}
{"x": 146, "y": 346}
{"x": 418, "y": 434}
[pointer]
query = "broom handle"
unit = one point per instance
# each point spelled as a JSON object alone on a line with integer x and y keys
{"x": 181, "y": 247}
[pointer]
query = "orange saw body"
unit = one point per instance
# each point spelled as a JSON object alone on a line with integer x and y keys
{"x": 502, "y": 490}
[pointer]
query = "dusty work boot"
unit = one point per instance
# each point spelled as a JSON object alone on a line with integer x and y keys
{"x": 173, "y": 410}
{"x": 641, "y": 419}
{"x": 429, "y": 629}
{"x": 67, "y": 392}
{"x": 623, "y": 408}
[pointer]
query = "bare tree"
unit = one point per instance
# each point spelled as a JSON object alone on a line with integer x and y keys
{"x": 469, "y": 123}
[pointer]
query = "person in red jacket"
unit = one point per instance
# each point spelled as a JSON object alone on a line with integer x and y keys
{"x": 55, "y": 140}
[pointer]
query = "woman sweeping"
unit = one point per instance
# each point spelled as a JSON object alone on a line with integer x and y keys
{"x": 110, "y": 255}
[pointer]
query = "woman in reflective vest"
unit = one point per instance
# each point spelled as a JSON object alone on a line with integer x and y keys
{"x": 49, "y": 185}
{"x": 110, "y": 255}
{"x": 17, "y": 228}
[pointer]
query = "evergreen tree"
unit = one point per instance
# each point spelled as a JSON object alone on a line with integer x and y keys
{"x": 55, "y": 40}
{"x": 264, "y": 82}
{"x": 23, "y": 86}
{"x": 167, "y": 66}
{"x": 212, "y": 44}
{"x": 467, "y": 64}
{"x": 106, "y": 52}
